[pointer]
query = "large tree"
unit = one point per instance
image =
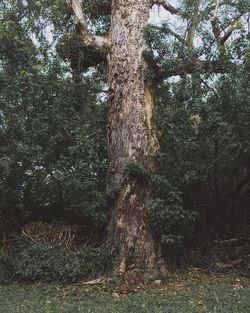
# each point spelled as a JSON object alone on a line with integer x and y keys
{"x": 131, "y": 133}
{"x": 199, "y": 42}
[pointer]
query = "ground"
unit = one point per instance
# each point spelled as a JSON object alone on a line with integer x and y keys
{"x": 188, "y": 292}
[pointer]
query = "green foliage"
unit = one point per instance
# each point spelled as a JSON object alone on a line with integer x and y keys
{"x": 29, "y": 261}
{"x": 170, "y": 222}
{"x": 81, "y": 57}
{"x": 170, "y": 44}
{"x": 134, "y": 170}
{"x": 99, "y": 12}
{"x": 52, "y": 124}
{"x": 205, "y": 145}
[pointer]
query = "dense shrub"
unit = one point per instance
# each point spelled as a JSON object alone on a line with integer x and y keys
{"x": 31, "y": 261}
{"x": 5, "y": 273}
{"x": 170, "y": 222}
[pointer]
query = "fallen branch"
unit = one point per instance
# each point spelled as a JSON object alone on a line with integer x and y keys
{"x": 94, "y": 282}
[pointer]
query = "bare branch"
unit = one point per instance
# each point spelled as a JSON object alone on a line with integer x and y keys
{"x": 199, "y": 15}
{"x": 215, "y": 8}
{"x": 216, "y": 29}
{"x": 226, "y": 36}
{"x": 99, "y": 42}
{"x": 195, "y": 20}
{"x": 167, "y": 6}
{"x": 79, "y": 15}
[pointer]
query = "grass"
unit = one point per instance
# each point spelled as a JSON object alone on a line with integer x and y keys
{"x": 189, "y": 292}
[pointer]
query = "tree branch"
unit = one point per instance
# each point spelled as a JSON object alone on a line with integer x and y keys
{"x": 183, "y": 67}
{"x": 226, "y": 36}
{"x": 98, "y": 42}
{"x": 165, "y": 28}
{"x": 218, "y": 31}
{"x": 79, "y": 16}
{"x": 177, "y": 36}
{"x": 198, "y": 17}
{"x": 195, "y": 20}
{"x": 215, "y": 7}
{"x": 167, "y": 6}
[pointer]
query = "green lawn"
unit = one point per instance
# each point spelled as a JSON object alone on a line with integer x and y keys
{"x": 189, "y": 293}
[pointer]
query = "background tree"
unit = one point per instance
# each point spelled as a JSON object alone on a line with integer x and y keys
{"x": 201, "y": 134}
{"x": 53, "y": 131}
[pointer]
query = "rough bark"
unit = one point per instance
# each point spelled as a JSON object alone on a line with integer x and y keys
{"x": 131, "y": 135}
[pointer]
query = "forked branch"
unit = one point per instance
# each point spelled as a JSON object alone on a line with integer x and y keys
{"x": 79, "y": 16}
{"x": 219, "y": 37}
{"x": 195, "y": 20}
{"x": 216, "y": 29}
{"x": 98, "y": 42}
{"x": 167, "y": 6}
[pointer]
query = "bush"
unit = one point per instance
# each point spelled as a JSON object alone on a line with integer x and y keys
{"x": 170, "y": 221}
{"x": 31, "y": 261}
{"x": 5, "y": 274}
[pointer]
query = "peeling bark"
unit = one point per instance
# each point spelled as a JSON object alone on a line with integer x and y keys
{"x": 131, "y": 135}
{"x": 131, "y": 132}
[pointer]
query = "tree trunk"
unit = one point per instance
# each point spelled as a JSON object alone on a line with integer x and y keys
{"x": 131, "y": 136}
